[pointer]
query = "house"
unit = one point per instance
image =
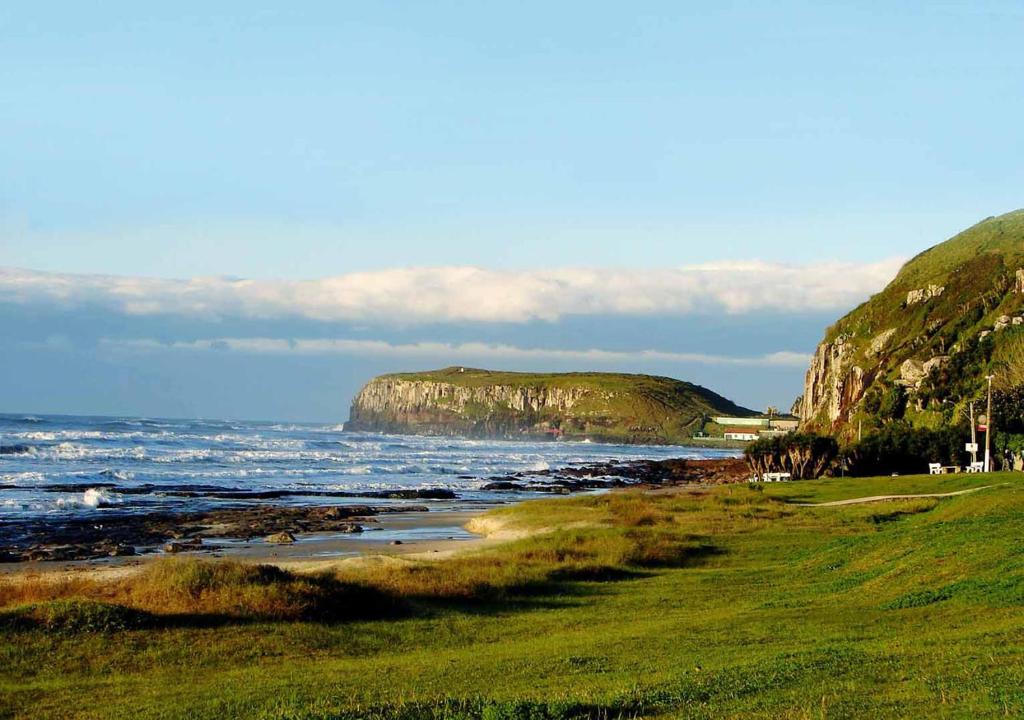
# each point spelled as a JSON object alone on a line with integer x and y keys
{"x": 750, "y": 428}
{"x": 745, "y": 422}
{"x": 741, "y": 433}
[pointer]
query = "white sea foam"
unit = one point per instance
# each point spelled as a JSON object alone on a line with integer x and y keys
{"x": 23, "y": 478}
{"x": 97, "y": 498}
{"x": 35, "y": 435}
{"x": 263, "y": 457}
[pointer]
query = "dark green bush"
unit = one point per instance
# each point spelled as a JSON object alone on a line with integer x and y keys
{"x": 900, "y": 448}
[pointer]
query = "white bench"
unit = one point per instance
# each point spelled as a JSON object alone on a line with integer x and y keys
{"x": 934, "y": 468}
{"x": 976, "y": 467}
{"x": 777, "y": 476}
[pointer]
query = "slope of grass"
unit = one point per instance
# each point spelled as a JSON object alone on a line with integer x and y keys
{"x": 731, "y": 602}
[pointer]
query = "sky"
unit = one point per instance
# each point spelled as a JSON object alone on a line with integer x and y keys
{"x": 248, "y": 210}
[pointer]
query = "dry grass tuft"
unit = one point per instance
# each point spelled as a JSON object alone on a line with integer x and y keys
{"x": 184, "y": 587}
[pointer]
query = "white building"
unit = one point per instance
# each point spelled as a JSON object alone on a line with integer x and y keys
{"x": 741, "y": 433}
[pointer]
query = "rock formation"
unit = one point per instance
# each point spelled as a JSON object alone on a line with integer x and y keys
{"x": 924, "y": 294}
{"x": 934, "y": 330}
{"x": 480, "y": 403}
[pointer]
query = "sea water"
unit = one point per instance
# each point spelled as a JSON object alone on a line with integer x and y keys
{"x": 74, "y": 466}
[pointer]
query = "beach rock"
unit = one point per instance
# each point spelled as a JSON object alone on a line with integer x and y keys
{"x": 15, "y": 449}
{"x": 340, "y": 512}
{"x": 121, "y": 550}
{"x": 178, "y": 546}
{"x": 396, "y": 542}
{"x": 418, "y": 494}
{"x": 281, "y": 538}
{"x": 502, "y": 485}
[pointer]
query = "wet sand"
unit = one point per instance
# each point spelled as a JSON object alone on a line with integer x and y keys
{"x": 414, "y": 535}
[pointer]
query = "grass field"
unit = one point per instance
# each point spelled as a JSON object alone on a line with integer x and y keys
{"x": 734, "y": 602}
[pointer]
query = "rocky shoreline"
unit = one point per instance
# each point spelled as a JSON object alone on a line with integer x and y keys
{"x": 120, "y": 534}
{"x": 622, "y": 473}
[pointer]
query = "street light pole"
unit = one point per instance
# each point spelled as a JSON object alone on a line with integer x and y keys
{"x": 988, "y": 427}
{"x": 974, "y": 437}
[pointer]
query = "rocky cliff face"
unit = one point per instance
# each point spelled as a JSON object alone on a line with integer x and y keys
{"x": 833, "y": 382}
{"x": 442, "y": 408}
{"x": 479, "y": 403}
{"x": 918, "y": 350}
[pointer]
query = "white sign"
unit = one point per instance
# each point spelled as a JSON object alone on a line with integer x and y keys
{"x": 972, "y": 447}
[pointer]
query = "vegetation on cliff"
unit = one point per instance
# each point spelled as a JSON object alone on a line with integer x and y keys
{"x": 735, "y": 601}
{"x": 483, "y": 403}
{"x": 918, "y": 352}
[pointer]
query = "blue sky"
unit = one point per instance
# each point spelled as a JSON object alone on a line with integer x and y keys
{"x": 341, "y": 140}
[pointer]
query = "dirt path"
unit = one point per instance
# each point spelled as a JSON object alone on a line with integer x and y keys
{"x": 882, "y": 498}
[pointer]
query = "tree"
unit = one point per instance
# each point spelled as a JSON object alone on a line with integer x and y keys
{"x": 900, "y": 448}
{"x": 893, "y": 404}
{"x": 802, "y": 455}
{"x": 1008, "y": 409}
{"x": 797, "y": 406}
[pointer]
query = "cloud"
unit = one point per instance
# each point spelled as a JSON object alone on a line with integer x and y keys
{"x": 470, "y": 294}
{"x": 450, "y": 351}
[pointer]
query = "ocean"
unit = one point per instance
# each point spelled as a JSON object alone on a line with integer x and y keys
{"x": 83, "y": 466}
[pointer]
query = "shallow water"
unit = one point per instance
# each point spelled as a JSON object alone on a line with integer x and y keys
{"x": 121, "y": 464}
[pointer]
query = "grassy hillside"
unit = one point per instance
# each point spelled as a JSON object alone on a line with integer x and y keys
{"x": 965, "y": 286}
{"x": 731, "y": 602}
{"x": 600, "y": 406}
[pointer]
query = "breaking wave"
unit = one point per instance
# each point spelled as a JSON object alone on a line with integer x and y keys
{"x": 82, "y": 465}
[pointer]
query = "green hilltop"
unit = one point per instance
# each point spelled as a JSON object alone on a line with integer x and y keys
{"x": 473, "y": 402}
{"x": 920, "y": 349}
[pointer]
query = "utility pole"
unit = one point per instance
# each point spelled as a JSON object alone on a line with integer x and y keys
{"x": 974, "y": 437}
{"x": 988, "y": 427}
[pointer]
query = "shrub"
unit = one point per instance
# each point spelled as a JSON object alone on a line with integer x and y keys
{"x": 803, "y": 455}
{"x": 1008, "y": 410}
{"x": 903, "y": 449}
{"x": 893, "y": 405}
{"x": 74, "y": 616}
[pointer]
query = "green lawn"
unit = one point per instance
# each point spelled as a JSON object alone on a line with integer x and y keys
{"x": 731, "y": 603}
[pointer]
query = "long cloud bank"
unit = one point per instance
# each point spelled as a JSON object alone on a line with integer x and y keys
{"x": 469, "y": 294}
{"x": 457, "y": 351}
